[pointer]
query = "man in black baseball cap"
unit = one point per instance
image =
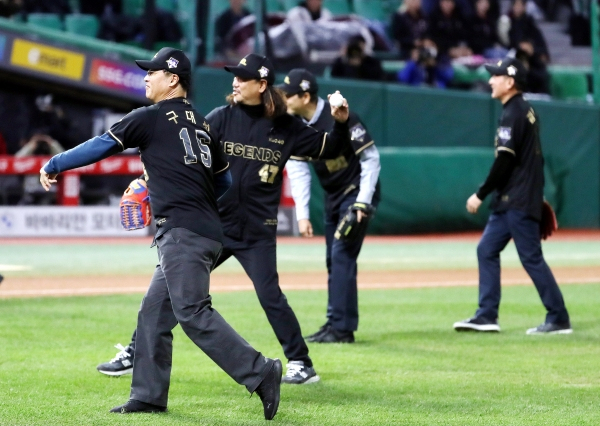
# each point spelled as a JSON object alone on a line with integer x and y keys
{"x": 516, "y": 182}
{"x": 254, "y": 67}
{"x": 175, "y": 78}
{"x": 510, "y": 67}
{"x": 299, "y": 81}
{"x": 167, "y": 59}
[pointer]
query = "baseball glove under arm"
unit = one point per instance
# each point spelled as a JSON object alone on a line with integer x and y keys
{"x": 135, "y": 206}
{"x": 548, "y": 224}
{"x": 349, "y": 228}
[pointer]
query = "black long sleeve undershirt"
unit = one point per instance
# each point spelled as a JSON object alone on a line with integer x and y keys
{"x": 499, "y": 174}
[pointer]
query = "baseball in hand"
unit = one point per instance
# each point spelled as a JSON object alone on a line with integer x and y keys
{"x": 336, "y": 100}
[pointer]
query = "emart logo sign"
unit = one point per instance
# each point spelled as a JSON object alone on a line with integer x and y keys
{"x": 47, "y": 59}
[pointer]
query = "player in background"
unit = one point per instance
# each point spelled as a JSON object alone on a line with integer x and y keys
{"x": 352, "y": 177}
{"x": 185, "y": 170}
{"x": 517, "y": 182}
{"x": 258, "y": 137}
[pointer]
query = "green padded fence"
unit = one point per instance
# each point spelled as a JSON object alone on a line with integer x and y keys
{"x": 426, "y": 189}
{"x": 422, "y": 190}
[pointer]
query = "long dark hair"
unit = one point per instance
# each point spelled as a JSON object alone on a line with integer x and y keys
{"x": 274, "y": 101}
{"x": 272, "y": 98}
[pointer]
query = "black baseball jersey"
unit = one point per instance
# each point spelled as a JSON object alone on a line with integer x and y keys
{"x": 519, "y": 135}
{"x": 257, "y": 149}
{"x": 341, "y": 176}
{"x": 179, "y": 157}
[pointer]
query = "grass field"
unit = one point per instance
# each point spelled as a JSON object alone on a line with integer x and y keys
{"x": 136, "y": 258}
{"x": 408, "y": 367}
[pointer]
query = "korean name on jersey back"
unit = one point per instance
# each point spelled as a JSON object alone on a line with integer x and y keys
{"x": 179, "y": 158}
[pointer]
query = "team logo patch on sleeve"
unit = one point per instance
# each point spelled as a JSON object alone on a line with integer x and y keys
{"x": 504, "y": 135}
{"x": 358, "y": 132}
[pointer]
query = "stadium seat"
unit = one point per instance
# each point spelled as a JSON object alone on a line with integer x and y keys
{"x": 168, "y": 5}
{"x": 216, "y": 7}
{"x": 86, "y": 25}
{"x": 288, "y": 4}
{"x": 372, "y": 9}
{"x": 271, "y": 5}
{"x": 568, "y": 84}
{"x": 74, "y": 6}
{"x": 133, "y": 7}
{"x": 46, "y": 20}
{"x": 275, "y": 6}
{"x": 186, "y": 16}
{"x": 338, "y": 7}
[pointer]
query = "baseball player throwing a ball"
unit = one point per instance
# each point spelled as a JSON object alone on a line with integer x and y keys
{"x": 258, "y": 137}
{"x": 351, "y": 186}
{"x": 185, "y": 170}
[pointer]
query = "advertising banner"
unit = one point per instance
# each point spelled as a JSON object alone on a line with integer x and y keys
{"x": 118, "y": 76}
{"x": 47, "y": 59}
{"x": 71, "y": 67}
{"x": 115, "y": 165}
{"x": 54, "y": 221}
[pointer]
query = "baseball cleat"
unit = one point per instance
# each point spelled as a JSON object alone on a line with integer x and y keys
{"x": 269, "y": 390}
{"x": 121, "y": 364}
{"x": 134, "y": 406}
{"x": 551, "y": 328}
{"x": 477, "y": 324}
{"x": 331, "y": 335}
{"x": 299, "y": 374}
{"x": 312, "y": 337}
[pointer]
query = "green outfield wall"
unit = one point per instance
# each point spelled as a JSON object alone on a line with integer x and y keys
{"x": 436, "y": 150}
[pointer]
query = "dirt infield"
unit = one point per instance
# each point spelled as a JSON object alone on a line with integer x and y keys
{"x": 223, "y": 282}
{"x": 79, "y": 286}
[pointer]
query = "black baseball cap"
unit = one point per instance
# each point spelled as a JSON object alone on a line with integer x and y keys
{"x": 299, "y": 81}
{"x": 168, "y": 59}
{"x": 255, "y": 67}
{"x": 510, "y": 67}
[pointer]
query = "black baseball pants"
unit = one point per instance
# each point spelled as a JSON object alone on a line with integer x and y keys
{"x": 179, "y": 293}
{"x": 259, "y": 260}
{"x": 342, "y": 270}
{"x": 525, "y": 231}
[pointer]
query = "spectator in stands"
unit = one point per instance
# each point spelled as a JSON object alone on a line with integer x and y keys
{"x": 38, "y": 144}
{"x": 309, "y": 11}
{"x": 483, "y": 37}
{"x": 115, "y": 26}
{"x": 517, "y": 26}
{"x": 60, "y": 7}
{"x": 409, "y": 27}
{"x": 538, "y": 78}
{"x": 424, "y": 68}
{"x": 355, "y": 63}
{"x": 227, "y": 20}
{"x": 9, "y": 7}
{"x": 50, "y": 119}
{"x": 100, "y": 7}
{"x": 449, "y": 30}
